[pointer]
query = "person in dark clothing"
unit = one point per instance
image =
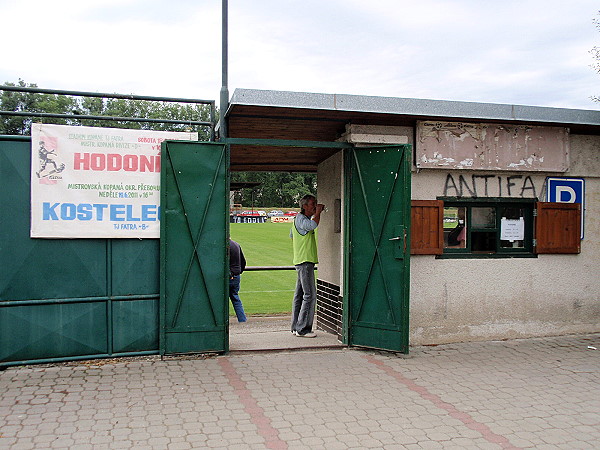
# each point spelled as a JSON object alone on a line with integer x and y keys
{"x": 237, "y": 264}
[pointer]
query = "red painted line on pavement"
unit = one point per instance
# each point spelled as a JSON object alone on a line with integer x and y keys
{"x": 257, "y": 414}
{"x": 465, "y": 418}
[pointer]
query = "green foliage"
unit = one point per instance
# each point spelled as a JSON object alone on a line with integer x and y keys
{"x": 277, "y": 189}
{"x": 30, "y": 102}
{"x": 92, "y": 106}
{"x": 144, "y": 109}
{"x": 266, "y": 244}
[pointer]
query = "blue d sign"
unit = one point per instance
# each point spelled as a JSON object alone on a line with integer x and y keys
{"x": 567, "y": 190}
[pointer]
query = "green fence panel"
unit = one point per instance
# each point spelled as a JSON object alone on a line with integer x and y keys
{"x": 135, "y": 325}
{"x": 41, "y": 331}
{"x": 135, "y": 266}
{"x": 63, "y": 299}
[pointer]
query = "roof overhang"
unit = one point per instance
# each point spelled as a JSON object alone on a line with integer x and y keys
{"x": 285, "y": 116}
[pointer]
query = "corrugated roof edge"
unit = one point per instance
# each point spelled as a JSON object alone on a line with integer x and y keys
{"x": 415, "y": 107}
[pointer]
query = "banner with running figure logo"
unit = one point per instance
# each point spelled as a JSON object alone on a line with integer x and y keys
{"x": 89, "y": 182}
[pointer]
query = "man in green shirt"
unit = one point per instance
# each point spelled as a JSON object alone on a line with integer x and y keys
{"x": 305, "y": 258}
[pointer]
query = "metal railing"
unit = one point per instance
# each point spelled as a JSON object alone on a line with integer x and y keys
{"x": 253, "y": 268}
{"x": 211, "y": 124}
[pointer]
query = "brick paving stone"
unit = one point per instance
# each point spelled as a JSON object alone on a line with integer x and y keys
{"x": 113, "y": 445}
{"x": 39, "y": 440}
{"x": 79, "y": 435}
{"x": 158, "y": 442}
{"x": 23, "y": 445}
{"x": 313, "y": 442}
{"x": 333, "y": 444}
{"x": 253, "y": 440}
{"x": 141, "y": 435}
{"x": 102, "y": 425}
{"x": 413, "y": 447}
{"x": 120, "y": 433}
{"x": 27, "y": 432}
{"x": 536, "y": 393}
{"x": 62, "y": 442}
{"x": 197, "y": 440}
{"x": 98, "y": 440}
{"x": 179, "y": 446}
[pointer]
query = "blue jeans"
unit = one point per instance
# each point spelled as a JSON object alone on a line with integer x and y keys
{"x": 305, "y": 298}
{"x": 234, "y": 288}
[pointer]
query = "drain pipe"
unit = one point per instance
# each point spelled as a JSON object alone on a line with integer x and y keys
{"x": 224, "y": 103}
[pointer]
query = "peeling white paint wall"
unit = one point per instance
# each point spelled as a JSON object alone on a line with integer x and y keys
{"x": 487, "y": 146}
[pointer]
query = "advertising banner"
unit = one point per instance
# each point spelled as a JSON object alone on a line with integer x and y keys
{"x": 282, "y": 219}
{"x": 89, "y": 182}
{"x": 247, "y": 219}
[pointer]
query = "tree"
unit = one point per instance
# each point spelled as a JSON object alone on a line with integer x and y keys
{"x": 30, "y": 102}
{"x": 277, "y": 189}
{"x": 95, "y": 106}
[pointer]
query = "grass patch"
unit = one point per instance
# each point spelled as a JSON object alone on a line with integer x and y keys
{"x": 265, "y": 244}
{"x": 267, "y": 292}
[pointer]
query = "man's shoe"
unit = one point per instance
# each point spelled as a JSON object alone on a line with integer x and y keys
{"x": 310, "y": 334}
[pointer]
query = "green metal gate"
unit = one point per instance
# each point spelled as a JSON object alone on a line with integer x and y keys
{"x": 65, "y": 299}
{"x": 377, "y": 247}
{"x": 194, "y": 242}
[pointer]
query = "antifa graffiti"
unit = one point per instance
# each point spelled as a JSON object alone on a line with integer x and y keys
{"x": 489, "y": 186}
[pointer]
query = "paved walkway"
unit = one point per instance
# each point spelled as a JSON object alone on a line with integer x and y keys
{"x": 534, "y": 393}
{"x": 273, "y": 333}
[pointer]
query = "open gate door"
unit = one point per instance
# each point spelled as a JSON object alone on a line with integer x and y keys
{"x": 377, "y": 247}
{"x": 193, "y": 249}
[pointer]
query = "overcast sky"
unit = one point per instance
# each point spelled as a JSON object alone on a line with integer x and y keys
{"x": 528, "y": 52}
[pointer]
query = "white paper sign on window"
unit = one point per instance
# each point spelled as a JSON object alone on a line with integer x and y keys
{"x": 512, "y": 229}
{"x": 89, "y": 182}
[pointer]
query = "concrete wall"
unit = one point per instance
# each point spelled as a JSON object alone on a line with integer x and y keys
{"x": 330, "y": 187}
{"x": 585, "y": 156}
{"x": 456, "y": 300}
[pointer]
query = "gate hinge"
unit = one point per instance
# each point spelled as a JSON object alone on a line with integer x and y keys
{"x": 534, "y": 212}
{"x": 535, "y": 242}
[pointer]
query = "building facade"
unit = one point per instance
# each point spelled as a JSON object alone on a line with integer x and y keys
{"x": 505, "y": 232}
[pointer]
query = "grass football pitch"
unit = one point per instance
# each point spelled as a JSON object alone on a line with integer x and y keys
{"x": 265, "y": 244}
